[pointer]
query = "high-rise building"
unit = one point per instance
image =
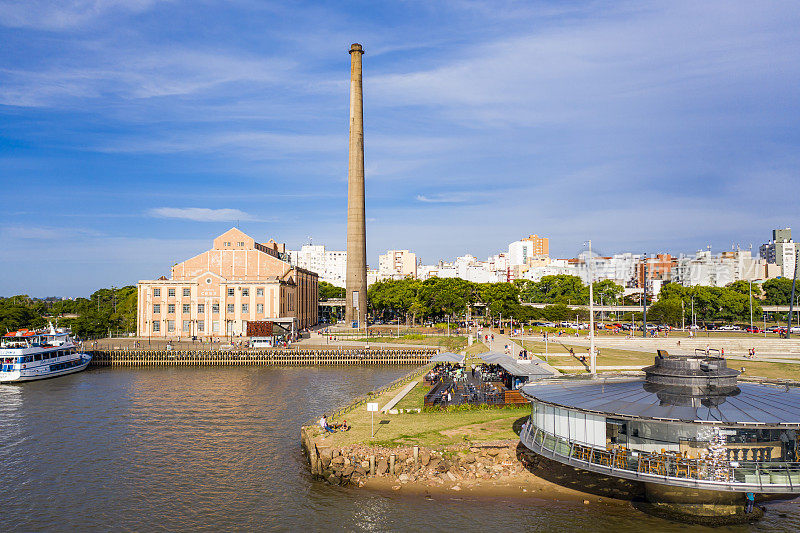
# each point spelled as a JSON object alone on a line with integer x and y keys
{"x": 330, "y": 265}
{"x": 397, "y": 264}
{"x": 541, "y": 245}
{"x": 781, "y": 251}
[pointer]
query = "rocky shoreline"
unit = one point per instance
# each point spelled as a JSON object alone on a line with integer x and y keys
{"x": 454, "y": 467}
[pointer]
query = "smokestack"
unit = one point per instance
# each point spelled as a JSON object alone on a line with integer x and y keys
{"x": 356, "y": 304}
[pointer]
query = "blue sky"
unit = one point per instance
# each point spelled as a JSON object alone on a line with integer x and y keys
{"x": 133, "y": 132}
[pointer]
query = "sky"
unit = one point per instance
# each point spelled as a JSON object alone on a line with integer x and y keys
{"x": 135, "y": 131}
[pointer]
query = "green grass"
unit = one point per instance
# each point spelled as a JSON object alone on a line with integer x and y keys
{"x": 454, "y": 343}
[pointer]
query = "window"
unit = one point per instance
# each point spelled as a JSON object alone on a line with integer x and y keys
{"x": 208, "y": 281}
{"x": 227, "y": 244}
{"x": 241, "y": 243}
{"x": 187, "y": 326}
{"x": 156, "y": 309}
{"x": 201, "y": 325}
{"x": 170, "y": 325}
{"x": 230, "y": 308}
{"x": 215, "y": 325}
{"x": 245, "y": 292}
{"x": 186, "y": 309}
{"x": 187, "y": 292}
{"x": 215, "y": 308}
{"x": 171, "y": 293}
{"x": 171, "y": 309}
{"x": 231, "y": 292}
{"x": 259, "y": 308}
{"x": 156, "y": 326}
{"x": 156, "y": 292}
{"x": 245, "y": 308}
{"x": 201, "y": 308}
{"x": 259, "y": 292}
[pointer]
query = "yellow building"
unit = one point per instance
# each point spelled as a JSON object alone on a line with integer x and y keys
{"x": 216, "y": 293}
{"x": 541, "y": 245}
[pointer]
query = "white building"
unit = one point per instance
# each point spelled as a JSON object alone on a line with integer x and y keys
{"x": 397, "y": 264}
{"x": 781, "y": 250}
{"x": 703, "y": 269}
{"x": 329, "y": 265}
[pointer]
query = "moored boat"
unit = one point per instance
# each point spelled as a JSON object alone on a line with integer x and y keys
{"x": 27, "y": 355}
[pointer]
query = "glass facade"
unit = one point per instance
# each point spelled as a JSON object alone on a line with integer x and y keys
{"x": 653, "y": 436}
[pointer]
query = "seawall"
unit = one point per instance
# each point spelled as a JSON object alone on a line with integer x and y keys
{"x": 300, "y": 357}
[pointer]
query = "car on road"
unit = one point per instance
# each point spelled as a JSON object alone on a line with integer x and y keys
{"x": 753, "y": 329}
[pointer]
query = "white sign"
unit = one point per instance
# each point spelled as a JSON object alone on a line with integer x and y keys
{"x": 355, "y": 299}
{"x": 372, "y": 407}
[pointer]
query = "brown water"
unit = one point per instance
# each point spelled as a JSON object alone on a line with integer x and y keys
{"x": 217, "y": 449}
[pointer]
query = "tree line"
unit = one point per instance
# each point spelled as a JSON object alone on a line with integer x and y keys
{"x": 105, "y": 310}
{"x": 413, "y": 300}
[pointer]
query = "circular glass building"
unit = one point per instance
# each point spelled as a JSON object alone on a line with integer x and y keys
{"x": 689, "y": 423}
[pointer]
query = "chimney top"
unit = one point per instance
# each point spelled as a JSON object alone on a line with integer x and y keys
{"x": 355, "y": 47}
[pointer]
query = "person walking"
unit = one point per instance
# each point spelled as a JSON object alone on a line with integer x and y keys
{"x": 750, "y": 497}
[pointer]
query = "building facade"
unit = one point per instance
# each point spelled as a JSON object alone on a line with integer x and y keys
{"x": 397, "y": 264}
{"x": 330, "y": 265}
{"x": 781, "y": 251}
{"x": 216, "y": 293}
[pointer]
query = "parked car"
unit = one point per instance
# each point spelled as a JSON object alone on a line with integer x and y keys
{"x": 753, "y": 329}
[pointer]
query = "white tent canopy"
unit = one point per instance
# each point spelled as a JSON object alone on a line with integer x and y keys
{"x": 447, "y": 357}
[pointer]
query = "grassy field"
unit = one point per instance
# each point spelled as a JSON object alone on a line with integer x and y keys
{"x": 606, "y": 357}
{"x": 454, "y": 343}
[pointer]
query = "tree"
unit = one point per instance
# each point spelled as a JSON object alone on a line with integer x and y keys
{"x": 556, "y": 289}
{"x": 500, "y": 299}
{"x": 666, "y": 311}
{"x": 777, "y": 291}
{"x": 326, "y": 291}
{"x": 607, "y": 291}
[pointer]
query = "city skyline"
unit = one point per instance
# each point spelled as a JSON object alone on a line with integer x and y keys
{"x": 134, "y": 132}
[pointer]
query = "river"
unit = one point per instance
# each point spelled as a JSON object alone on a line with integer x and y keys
{"x": 218, "y": 449}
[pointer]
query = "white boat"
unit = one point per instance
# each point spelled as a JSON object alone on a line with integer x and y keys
{"x": 27, "y": 355}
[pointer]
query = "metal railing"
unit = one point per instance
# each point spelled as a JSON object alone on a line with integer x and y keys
{"x": 731, "y": 476}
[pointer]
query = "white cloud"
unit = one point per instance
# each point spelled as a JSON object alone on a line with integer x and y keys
{"x": 200, "y": 214}
{"x": 64, "y": 14}
{"x": 446, "y": 198}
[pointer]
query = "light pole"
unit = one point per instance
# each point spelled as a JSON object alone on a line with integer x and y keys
{"x": 593, "y": 368}
{"x": 791, "y": 300}
{"x": 751, "y": 305}
{"x": 644, "y": 299}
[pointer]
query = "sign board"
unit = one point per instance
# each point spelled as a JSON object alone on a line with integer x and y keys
{"x": 355, "y": 299}
{"x": 372, "y": 407}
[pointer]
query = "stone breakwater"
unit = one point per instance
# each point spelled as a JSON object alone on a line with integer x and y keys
{"x": 454, "y": 466}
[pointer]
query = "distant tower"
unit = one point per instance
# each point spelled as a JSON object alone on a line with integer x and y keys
{"x": 356, "y": 303}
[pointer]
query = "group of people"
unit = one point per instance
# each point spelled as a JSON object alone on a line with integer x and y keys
{"x": 327, "y": 428}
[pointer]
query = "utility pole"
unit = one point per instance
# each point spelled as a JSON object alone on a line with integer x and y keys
{"x": 683, "y": 317}
{"x": 593, "y": 368}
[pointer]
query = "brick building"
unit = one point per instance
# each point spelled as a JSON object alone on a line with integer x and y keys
{"x": 216, "y": 293}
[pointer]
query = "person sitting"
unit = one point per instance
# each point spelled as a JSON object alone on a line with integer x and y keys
{"x": 323, "y": 423}
{"x": 344, "y": 426}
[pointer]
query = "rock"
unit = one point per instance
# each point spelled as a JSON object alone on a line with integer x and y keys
{"x": 325, "y": 457}
{"x": 404, "y": 478}
{"x": 382, "y": 467}
{"x": 348, "y": 470}
{"x": 365, "y": 464}
{"x": 469, "y": 459}
{"x": 398, "y": 469}
{"x": 338, "y": 460}
{"x": 333, "y": 480}
{"x": 346, "y": 461}
{"x": 403, "y": 455}
{"x": 443, "y": 467}
{"x": 434, "y": 463}
{"x": 455, "y": 487}
{"x": 361, "y": 471}
{"x": 451, "y": 476}
{"x": 424, "y": 458}
{"x": 492, "y": 451}
{"x": 396, "y": 487}
{"x": 586, "y": 502}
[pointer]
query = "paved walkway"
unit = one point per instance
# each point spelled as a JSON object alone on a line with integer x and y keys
{"x": 501, "y": 340}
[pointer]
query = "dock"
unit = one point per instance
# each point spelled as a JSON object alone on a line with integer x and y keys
{"x": 298, "y": 357}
